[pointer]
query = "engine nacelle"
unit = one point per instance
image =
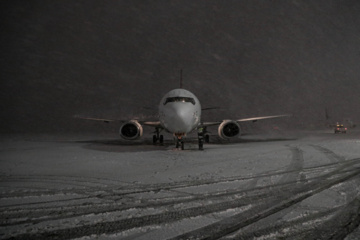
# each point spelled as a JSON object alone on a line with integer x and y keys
{"x": 131, "y": 130}
{"x": 229, "y": 129}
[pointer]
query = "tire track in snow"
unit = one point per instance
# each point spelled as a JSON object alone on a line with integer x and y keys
{"x": 282, "y": 230}
{"x": 333, "y": 157}
{"x": 286, "y": 199}
{"x": 43, "y": 213}
{"x": 295, "y": 166}
{"x": 274, "y": 202}
{"x": 37, "y": 215}
{"x": 125, "y": 224}
{"x": 89, "y": 195}
{"x": 69, "y": 181}
{"x": 231, "y": 224}
{"x": 339, "y": 226}
{"x": 139, "y": 188}
{"x": 307, "y": 224}
{"x": 113, "y": 193}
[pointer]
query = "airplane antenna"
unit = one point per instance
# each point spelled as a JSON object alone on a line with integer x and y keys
{"x": 181, "y": 82}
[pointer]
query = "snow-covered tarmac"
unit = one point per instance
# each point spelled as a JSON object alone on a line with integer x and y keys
{"x": 298, "y": 186}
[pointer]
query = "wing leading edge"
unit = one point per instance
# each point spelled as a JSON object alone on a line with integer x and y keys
{"x": 146, "y": 123}
{"x": 254, "y": 119}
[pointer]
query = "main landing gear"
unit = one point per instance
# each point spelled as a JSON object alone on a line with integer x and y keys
{"x": 158, "y": 137}
{"x": 202, "y": 136}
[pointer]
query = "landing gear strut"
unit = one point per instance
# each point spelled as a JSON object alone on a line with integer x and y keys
{"x": 180, "y": 142}
{"x": 158, "y": 137}
{"x": 207, "y": 138}
{"x": 202, "y": 136}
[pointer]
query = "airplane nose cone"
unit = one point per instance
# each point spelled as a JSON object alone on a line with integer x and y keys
{"x": 181, "y": 113}
{"x": 180, "y": 120}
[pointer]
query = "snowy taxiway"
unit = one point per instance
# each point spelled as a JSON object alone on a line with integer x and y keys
{"x": 300, "y": 186}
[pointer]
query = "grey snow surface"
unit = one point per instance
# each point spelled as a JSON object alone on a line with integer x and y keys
{"x": 291, "y": 185}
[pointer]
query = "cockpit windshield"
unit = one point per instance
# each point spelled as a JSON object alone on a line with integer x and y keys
{"x": 179, "y": 99}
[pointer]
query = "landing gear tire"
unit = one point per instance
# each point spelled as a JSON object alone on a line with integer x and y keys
{"x": 158, "y": 137}
{"x": 180, "y": 143}
{"x": 201, "y": 146}
{"x": 207, "y": 138}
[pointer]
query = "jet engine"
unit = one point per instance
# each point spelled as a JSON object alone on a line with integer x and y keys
{"x": 229, "y": 129}
{"x": 131, "y": 130}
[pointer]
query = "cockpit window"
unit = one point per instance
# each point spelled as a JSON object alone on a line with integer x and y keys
{"x": 179, "y": 99}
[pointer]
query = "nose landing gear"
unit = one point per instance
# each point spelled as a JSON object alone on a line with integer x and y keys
{"x": 179, "y": 143}
{"x": 202, "y": 136}
{"x": 179, "y": 140}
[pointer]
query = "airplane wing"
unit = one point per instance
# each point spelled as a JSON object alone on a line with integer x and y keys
{"x": 98, "y": 119}
{"x": 146, "y": 123}
{"x": 207, "y": 124}
{"x": 254, "y": 119}
{"x": 152, "y": 124}
{"x": 209, "y": 108}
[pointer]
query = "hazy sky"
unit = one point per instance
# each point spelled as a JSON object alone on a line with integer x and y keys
{"x": 117, "y": 58}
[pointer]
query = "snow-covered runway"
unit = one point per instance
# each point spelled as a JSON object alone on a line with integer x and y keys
{"x": 303, "y": 187}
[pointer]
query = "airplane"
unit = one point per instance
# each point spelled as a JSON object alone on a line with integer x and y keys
{"x": 180, "y": 114}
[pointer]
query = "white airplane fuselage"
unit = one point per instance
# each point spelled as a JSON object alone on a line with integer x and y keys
{"x": 179, "y": 112}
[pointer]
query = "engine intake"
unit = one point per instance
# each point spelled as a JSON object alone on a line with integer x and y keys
{"x": 229, "y": 129}
{"x": 131, "y": 130}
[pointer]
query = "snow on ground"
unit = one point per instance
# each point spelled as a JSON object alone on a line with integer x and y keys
{"x": 263, "y": 186}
